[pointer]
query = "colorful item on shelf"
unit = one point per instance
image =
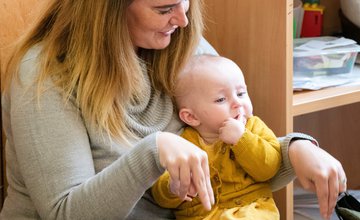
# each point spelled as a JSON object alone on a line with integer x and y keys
{"x": 298, "y": 17}
{"x": 323, "y": 56}
{"x": 313, "y": 20}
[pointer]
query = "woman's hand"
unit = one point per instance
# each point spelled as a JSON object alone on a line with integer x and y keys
{"x": 319, "y": 172}
{"x": 188, "y": 167}
{"x": 174, "y": 189}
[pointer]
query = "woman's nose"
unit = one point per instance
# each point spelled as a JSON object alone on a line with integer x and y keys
{"x": 180, "y": 19}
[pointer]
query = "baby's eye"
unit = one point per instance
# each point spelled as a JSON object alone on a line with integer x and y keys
{"x": 165, "y": 11}
{"x": 241, "y": 94}
{"x": 220, "y": 100}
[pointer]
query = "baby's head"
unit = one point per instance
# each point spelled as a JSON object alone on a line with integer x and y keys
{"x": 210, "y": 90}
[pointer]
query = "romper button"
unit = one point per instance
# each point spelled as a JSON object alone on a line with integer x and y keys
{"x": 223, "y": 150}
{"x": 232, "y": 155}
{"x": 216, "y": 178}
{"x": 238, "y": 202}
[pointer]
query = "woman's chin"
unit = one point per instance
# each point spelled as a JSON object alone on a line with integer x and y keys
{"x": 162, "y": 46}
{"x": 158, "y": 46}
{"x": 162, "y": 43}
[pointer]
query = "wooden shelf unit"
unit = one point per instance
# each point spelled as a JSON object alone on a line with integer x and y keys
{"x": 312, "y": 101}
{"x": 257, "y": 35}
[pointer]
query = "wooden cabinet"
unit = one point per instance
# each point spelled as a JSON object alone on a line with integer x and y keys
{"x": 257, "y": 35}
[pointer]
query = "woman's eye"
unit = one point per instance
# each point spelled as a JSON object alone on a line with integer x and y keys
{"x": 220, "y": 100}
{"x": 165, "y": 11}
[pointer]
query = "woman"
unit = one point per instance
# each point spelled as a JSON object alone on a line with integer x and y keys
{"x": 88, "y": 115}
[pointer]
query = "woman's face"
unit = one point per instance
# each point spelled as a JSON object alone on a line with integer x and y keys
{"x": 151, "y": 22}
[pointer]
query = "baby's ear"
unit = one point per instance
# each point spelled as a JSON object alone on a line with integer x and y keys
{"x": 186, "y": 115}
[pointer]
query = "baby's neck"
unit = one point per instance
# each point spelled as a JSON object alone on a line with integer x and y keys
{"x": 209, "y": 138}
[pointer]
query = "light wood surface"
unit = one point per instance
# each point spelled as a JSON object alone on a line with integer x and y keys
{"x": 312, "y": 101}
{"x": 15, "y": 18}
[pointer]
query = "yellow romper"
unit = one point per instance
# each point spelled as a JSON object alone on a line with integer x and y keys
{"x": 239, "y": 177}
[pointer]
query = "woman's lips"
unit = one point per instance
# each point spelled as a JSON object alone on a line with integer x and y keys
{"x": 167, "y": 33}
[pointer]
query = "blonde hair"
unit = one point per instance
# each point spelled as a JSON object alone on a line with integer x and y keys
{"x": 87, "y": 51}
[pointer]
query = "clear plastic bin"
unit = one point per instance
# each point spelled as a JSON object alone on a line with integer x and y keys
{"x": 337, "y": 60}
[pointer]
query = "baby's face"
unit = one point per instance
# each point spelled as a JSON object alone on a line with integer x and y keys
{"x": 218, "y": 93}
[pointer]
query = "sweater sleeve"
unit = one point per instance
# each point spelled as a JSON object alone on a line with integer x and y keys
{"x": 286, "y": 172}
{"x": 258, "y": 151}
{"x": 55, "y": 159}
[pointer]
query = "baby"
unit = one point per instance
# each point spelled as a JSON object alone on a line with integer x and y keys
{"x": 212, "y": 99}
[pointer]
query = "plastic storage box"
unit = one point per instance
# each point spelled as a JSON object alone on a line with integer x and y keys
{"x": 335, "y": 60}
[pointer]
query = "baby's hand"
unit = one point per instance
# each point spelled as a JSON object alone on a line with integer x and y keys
{"x": 232, "y": 130}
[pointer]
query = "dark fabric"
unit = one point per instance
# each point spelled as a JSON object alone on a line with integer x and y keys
{"x": 347, "y": 207}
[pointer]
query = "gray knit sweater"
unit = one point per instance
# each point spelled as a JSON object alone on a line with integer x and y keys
{"x": 59, "y": 167}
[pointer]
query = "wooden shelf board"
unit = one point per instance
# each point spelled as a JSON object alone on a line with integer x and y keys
{"x": 311, "y": 101}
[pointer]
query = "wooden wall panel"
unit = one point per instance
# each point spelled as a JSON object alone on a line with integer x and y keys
{"x": 15, "y": 18}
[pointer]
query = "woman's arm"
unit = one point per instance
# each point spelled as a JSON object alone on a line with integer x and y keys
{"x": 57, "y": 167}
{"x": 286, "y": 173}
{"x": 55, "y": 159}
{"x": 316, "y": 170}
{"x": 319, "y": 172}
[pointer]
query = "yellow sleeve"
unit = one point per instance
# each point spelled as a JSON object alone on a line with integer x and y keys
{"x": 162, "y": 195}
{"x": 258, "y": 150}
